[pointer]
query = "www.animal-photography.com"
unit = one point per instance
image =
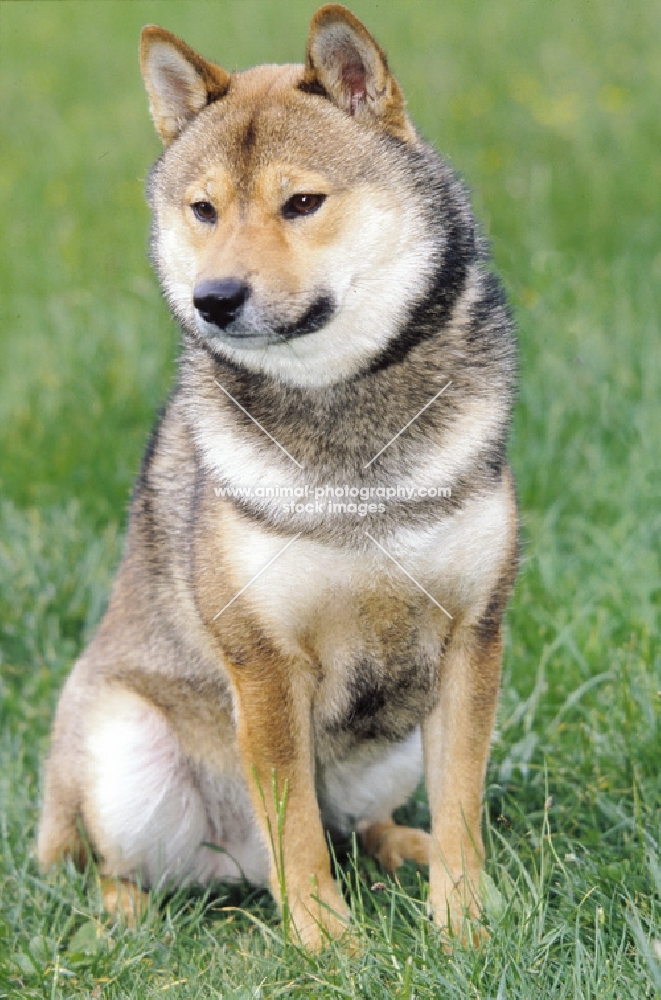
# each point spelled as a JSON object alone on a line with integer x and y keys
{"x": 329, "y": 655}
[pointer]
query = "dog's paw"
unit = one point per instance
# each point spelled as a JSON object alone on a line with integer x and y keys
{"x": 456, "y": 910}
{"x": 319, "y": 917}
{"x": 392, "y": 845}
{"x": 124, "y": 900}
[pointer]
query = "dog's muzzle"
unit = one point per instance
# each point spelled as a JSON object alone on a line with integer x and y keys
{"x": 221, "y": 304}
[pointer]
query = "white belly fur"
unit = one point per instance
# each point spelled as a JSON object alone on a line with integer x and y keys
{"x": 369, "y": 784}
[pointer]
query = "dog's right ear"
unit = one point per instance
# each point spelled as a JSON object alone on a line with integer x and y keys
{"x": 179, "y": 82}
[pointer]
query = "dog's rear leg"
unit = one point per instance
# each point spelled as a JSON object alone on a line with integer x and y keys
{"x": 392, "y": 845}
{"x": 60, "y": 837}
{"x": 129, "y": 782}
{"x": 59, "y": 834}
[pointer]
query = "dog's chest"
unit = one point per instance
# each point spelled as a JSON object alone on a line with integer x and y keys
{"x": 370, "y": 620}
{"x": 378, "y": 667}
{"x": 373, "y": 638}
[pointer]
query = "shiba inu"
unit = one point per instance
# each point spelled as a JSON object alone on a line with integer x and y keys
{"x": 323, "y": 535}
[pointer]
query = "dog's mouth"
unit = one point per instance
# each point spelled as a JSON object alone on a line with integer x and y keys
{"x": 224, "y": 310}
{"x": 314, "y": 318}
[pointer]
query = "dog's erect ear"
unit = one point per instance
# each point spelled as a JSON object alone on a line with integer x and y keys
{"x": 344, "y": 62}
{"x": 179, "y": 82}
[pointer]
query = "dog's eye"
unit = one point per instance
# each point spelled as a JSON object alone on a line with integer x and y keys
{"x": 204, "y": 211}
{"x": 302, "y": 204}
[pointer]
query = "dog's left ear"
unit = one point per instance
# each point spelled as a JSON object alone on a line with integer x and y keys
{"x": 179, "y": 83}
{"x": 346, "y": 64}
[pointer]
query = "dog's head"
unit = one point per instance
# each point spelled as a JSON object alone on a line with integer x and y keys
{"x": 285, "y": 214}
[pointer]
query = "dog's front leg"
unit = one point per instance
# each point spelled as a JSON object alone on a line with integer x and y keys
{"x": 275, "y": 740}
{"x": 457, "y": 736}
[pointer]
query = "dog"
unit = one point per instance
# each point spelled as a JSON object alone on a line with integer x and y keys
{"x": 323, "y": 535}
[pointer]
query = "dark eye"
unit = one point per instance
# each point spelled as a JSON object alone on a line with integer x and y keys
{"x": 204, "y": 211}
{"x": 302, "y": 204}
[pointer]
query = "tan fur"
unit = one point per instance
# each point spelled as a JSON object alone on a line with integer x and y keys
{"x": 161, "y": 55}
{"x": 392, "y": 845}
{"x": 259, "y": 674}
{"x": 124, "y": 900}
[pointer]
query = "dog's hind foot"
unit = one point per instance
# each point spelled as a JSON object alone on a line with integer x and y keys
{"x": 392, "y": 845}
{"x": 124, "y": 900}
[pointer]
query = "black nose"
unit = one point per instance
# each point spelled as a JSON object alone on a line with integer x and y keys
{"x": 220, "y": 302}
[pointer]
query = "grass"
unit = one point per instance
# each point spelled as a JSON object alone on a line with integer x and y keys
{"x": 551, "y": 113}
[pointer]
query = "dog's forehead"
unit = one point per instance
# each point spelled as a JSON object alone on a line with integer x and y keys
{"x": 255, "y": 85}
{"x": 265, "y": 116}
{"x": 263, "y": 113}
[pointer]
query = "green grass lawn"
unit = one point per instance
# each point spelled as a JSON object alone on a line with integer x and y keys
{"x": 551, "y": 112}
